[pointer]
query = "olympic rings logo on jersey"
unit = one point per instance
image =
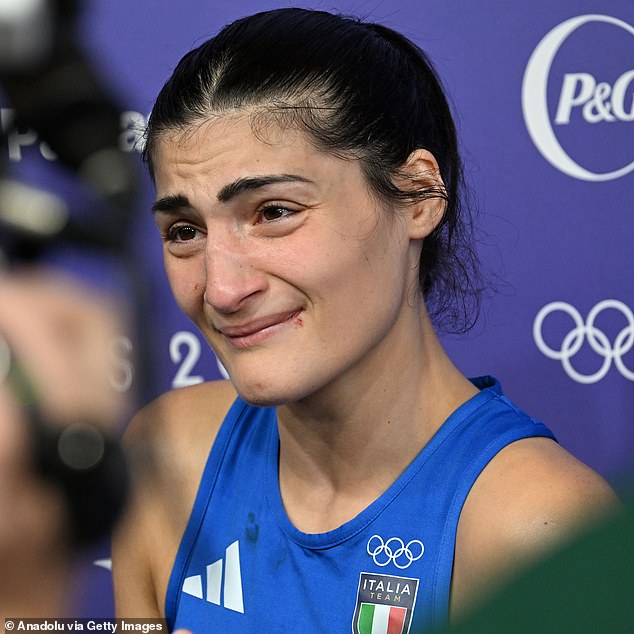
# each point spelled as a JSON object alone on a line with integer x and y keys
{"x": 597, "y": 339}
{"x": 395, "y": 551}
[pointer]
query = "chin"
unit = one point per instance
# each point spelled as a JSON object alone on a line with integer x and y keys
{"x": 264, "y": 391}
{"x": 274, "y": 375}
{"x": 261, "y": 395}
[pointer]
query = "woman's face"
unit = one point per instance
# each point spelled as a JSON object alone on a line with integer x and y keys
{"x": 294, "y": 272}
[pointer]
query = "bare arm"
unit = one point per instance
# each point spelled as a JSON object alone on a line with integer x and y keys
{"x": 168, "y": 442}
{"x": 530, "y": 498}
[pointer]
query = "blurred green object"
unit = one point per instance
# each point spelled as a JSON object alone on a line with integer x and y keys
{"x": 587, "y": 586}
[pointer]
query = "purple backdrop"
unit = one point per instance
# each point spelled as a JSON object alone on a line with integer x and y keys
{"x": 544, "y": 99}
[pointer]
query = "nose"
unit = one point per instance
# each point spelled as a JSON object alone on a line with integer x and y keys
{"x": 231, "y": 278}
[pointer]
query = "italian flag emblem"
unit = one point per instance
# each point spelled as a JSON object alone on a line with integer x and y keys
{"x": 381, "y": 619}
{"x": 385, "y": 604}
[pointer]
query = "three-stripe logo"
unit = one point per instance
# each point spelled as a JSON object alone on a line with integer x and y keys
{"x": 225, "y": 590}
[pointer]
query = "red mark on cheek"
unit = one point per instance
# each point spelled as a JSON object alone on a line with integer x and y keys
{"x": 298, "y": 321}
{"x": 196, "y": 287}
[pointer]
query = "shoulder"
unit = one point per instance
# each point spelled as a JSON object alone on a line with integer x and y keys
{"x": 175, "y": 432}
{"x": 170, "y": 439}
{"x": 167, "y": 444}
{"x": 173, "y": 435}
{"x": 531, "y": 496}
{"x": 183, "y": 411}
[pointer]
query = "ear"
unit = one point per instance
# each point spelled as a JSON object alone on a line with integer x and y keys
{"x": 420, "y": 173}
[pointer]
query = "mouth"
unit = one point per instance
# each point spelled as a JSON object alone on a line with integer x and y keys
{"x": 259, "y": 330}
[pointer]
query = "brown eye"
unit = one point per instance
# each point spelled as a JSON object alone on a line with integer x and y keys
{"x": 275, "y": 212}
{"x": 182, "y": 233}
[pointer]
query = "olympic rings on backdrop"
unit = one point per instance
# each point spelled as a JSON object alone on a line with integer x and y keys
{"x": 394, "y": 550}
{"x": 596, "y": 338}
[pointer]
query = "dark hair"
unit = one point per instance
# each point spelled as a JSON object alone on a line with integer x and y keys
{"x": 360, "y": 90}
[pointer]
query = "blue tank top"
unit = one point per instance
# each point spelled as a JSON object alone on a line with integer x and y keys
{"x": 243, "y": 567}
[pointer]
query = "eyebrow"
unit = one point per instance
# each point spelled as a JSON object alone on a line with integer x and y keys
{"x": 177, "y": 202}
{"x": 254, "y": 182}
{"x": 170, "y": 204}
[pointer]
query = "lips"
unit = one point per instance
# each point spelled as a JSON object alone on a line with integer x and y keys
{"x": 257, "y": 330}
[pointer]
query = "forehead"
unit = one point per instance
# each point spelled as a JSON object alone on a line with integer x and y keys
{"x": 227, "y": 147}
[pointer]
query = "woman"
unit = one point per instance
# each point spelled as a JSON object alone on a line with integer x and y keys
{"x": 307, "y": 180}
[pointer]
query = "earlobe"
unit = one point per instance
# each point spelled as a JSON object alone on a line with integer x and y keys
{"x": 421, "y": 175}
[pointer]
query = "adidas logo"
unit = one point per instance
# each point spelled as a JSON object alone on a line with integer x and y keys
{"x": 232, "y": 586}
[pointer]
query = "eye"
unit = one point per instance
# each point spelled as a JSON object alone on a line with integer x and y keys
{"x": 274, "y": 212}
{"x": 181, "y": 233}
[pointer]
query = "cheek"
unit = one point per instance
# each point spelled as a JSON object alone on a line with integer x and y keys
{"x": 368, "y": 285}
{"x": 187, "y": 285}
{"x": 366, "y": 268}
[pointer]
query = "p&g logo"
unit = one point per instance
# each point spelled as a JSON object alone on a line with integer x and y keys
{"x": 598, "y": 100}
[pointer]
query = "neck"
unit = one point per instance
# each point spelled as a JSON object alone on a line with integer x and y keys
{"x": 343, "y": 447}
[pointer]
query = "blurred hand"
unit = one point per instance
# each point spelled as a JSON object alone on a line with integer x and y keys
{"x": 60, "y": 333}
{"x": 33, "y": 553}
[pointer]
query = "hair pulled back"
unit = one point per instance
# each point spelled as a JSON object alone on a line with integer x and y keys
{"x": 359, "y": 90}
